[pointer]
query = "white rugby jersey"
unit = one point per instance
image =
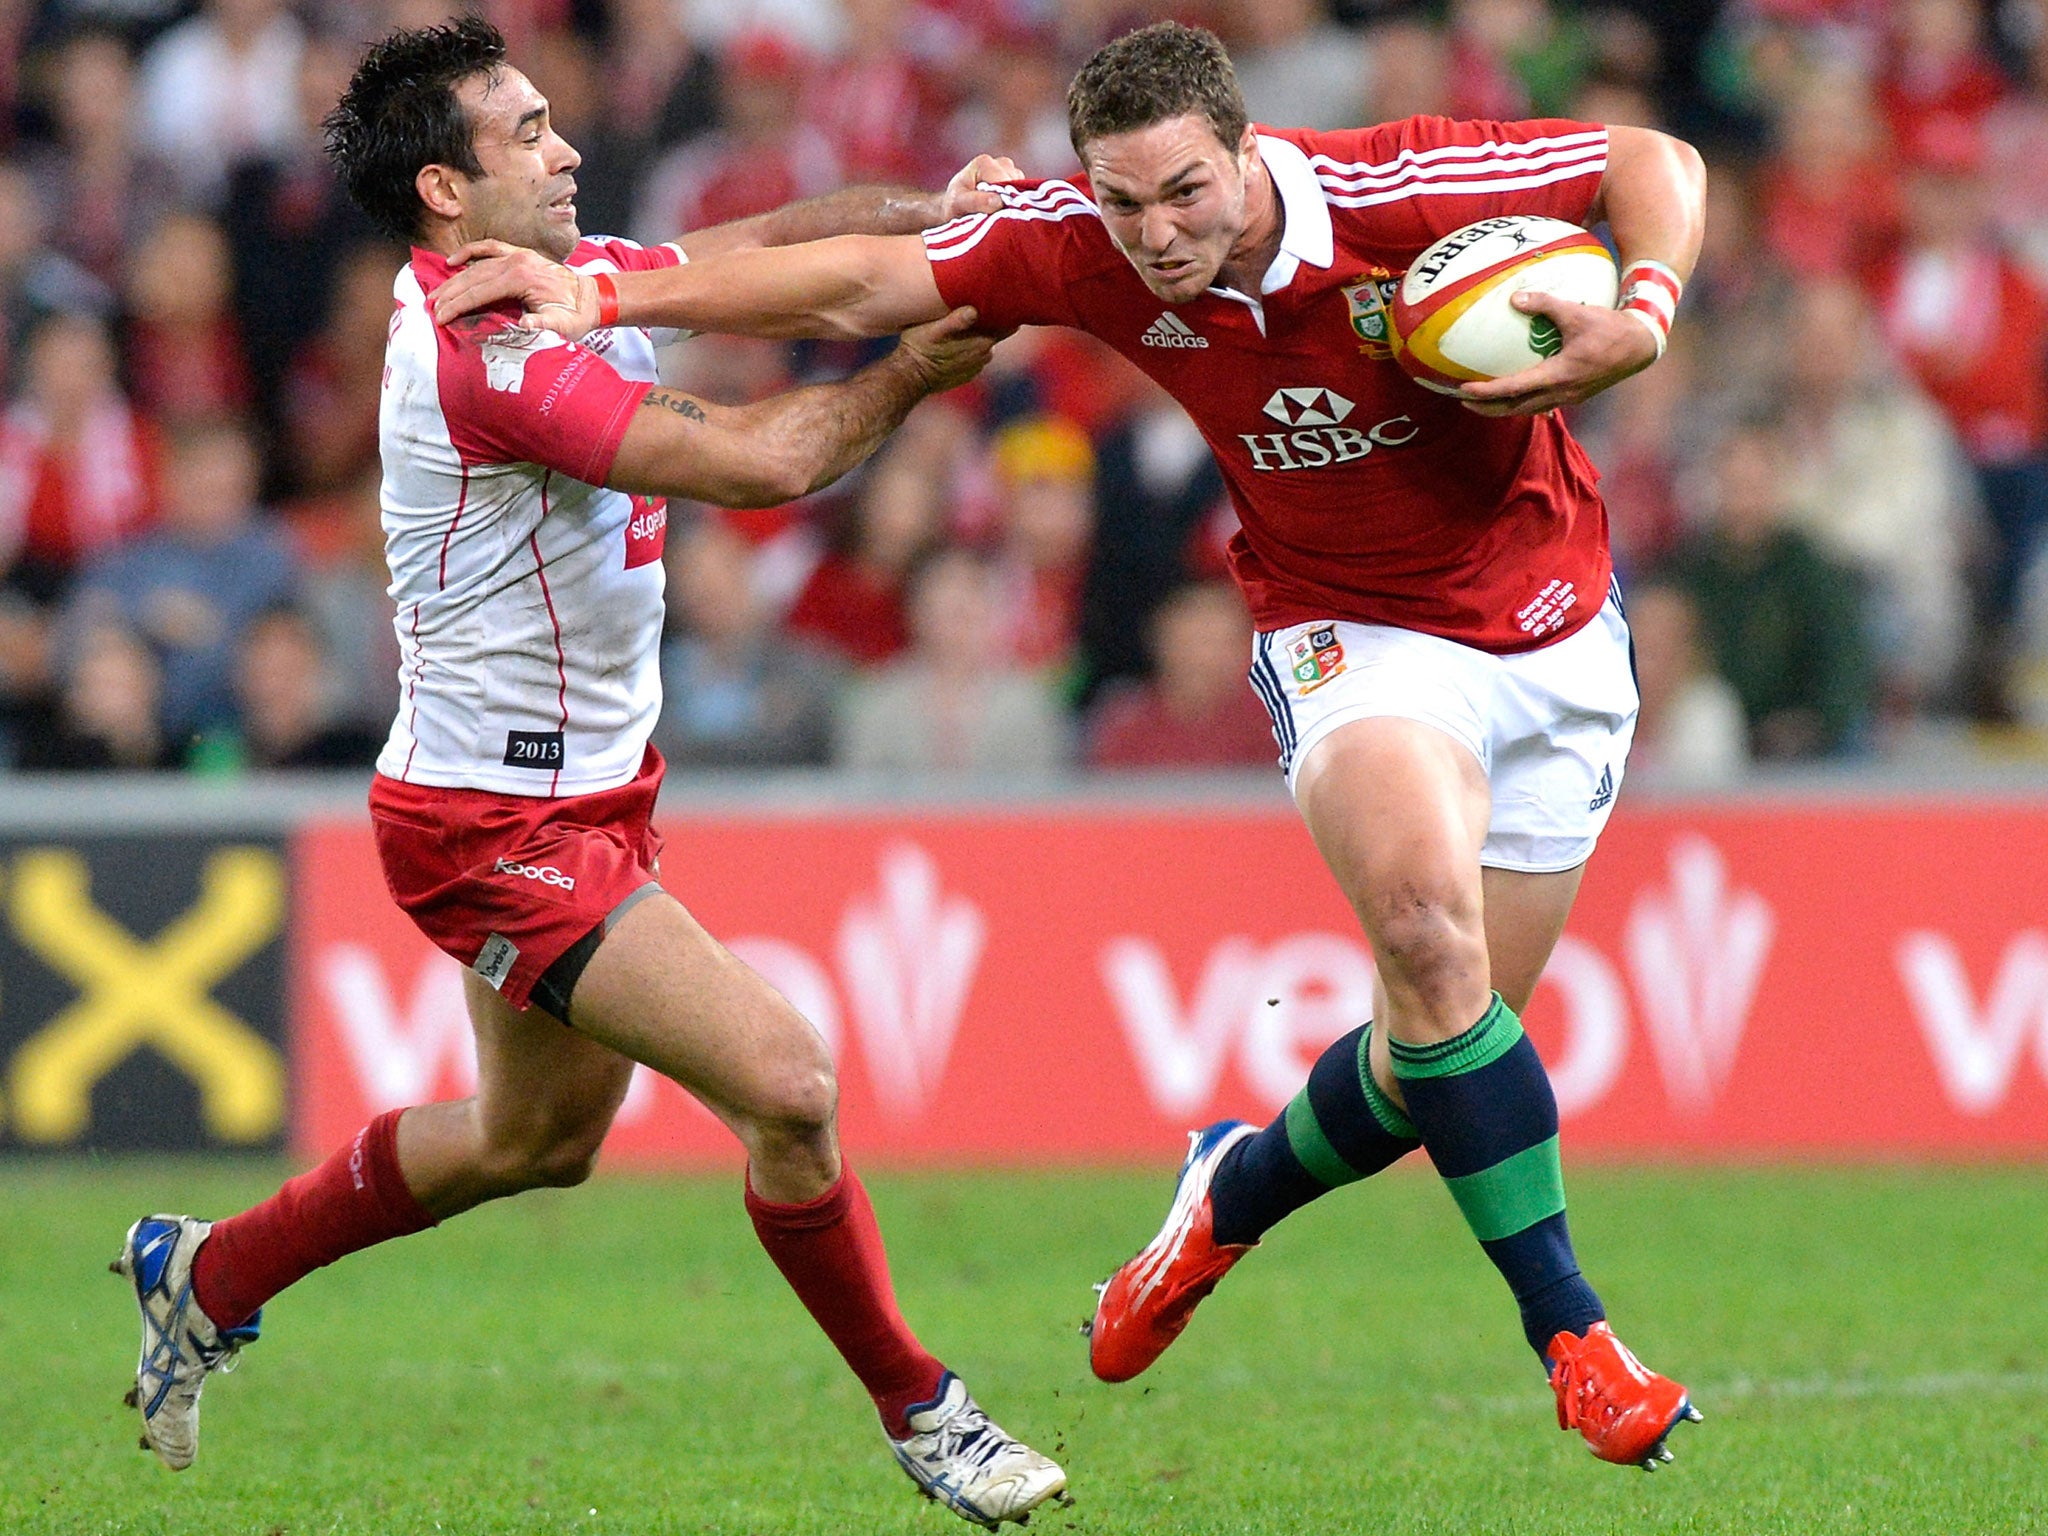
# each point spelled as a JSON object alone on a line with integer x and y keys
{"x": 529, "y": 597}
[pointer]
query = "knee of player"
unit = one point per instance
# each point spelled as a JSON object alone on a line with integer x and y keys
{"x": 1423, "y": 937}
{"x": 801, "y": 1098}
{"x": 568, "y": 1163}
{"x": 558, "y": 1158}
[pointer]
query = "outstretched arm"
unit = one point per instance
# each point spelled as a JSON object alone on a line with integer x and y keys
{"x": 794, "y": 443}
{"x": 1653, "y": 198}
{"x": 885, "y": 293}
{"x": 857, "y": 211}
{"x": 852, "y": 285}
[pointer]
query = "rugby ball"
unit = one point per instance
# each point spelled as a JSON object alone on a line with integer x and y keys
{"x": 1452, "y": 313}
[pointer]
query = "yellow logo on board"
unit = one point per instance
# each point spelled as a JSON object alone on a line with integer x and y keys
{"x": 156, "y": 993}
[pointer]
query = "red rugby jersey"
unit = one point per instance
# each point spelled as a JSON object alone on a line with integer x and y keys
{"x": 1362, "y": 495}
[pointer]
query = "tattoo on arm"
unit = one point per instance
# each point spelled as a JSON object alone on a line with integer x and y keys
{"x": 681, "y": 405}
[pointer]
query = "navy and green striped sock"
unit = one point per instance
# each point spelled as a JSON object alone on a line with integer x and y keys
{"x": 1483, "y": 1105}
{"x": 1339, "y": 1129}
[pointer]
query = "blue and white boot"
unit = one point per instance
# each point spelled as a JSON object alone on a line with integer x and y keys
{"x": 181, "y": 1346}
{"x": 957, "y": 1456}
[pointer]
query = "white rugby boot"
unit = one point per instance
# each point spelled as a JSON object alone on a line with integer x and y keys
{"x": 957, "y": 1456}
{"x": 181, "y": 1346}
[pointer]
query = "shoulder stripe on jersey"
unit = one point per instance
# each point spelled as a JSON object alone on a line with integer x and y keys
{"x": 1044, "y": 195}
{"x": 1053, "y": 194}
{"x": 960, "y": 243}
{"x": 1049, "y": 194}
{"x": 1460, "y": 187}
{"x": 1581, "y": 161}
{"x": 1452, "y": 156}
{"x": 1046, "y": 200}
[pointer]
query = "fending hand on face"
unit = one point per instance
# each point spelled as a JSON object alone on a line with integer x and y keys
{"x": 1601, "y": 348}
{"x": 487, "y": 272}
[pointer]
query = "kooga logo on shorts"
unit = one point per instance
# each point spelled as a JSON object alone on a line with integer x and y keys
{"x": 546, "y": 874}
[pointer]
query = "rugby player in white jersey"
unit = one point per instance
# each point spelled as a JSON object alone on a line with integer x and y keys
{"x": 1440, "y": 644}
{"x": 523, "y": 517}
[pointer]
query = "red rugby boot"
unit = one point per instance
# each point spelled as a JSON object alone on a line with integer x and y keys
{"x": 1623, "y": 1410}
{"x": 1146, "y": 1303}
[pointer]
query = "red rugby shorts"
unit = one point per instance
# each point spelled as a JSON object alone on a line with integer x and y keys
{"x": 506, "y": 883}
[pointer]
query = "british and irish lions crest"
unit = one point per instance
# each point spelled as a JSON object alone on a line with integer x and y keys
{"x": 1371, "y": 304}
{"x": 1314, "y": 657}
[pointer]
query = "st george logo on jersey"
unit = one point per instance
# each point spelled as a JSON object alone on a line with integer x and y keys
{"x": 1315, "y": 656}
{"x": 646, "y": 531}
{"x": 1371, "y": 305}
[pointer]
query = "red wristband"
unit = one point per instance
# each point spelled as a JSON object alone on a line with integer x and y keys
{"x": 607, "y": 300}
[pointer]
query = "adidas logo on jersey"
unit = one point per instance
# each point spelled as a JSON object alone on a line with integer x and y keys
{"x": 1169, "y": 330}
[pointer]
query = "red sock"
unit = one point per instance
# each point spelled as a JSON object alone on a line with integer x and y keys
{"x": 356, "y": 1198}
{"x": 830, "y": 1251}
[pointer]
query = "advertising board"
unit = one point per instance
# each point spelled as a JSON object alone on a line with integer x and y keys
{"x": 1084, "y": 983}
{"x": 142, "y": 995}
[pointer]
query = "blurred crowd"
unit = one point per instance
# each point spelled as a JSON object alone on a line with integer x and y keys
{"x": 1829, "y": 500}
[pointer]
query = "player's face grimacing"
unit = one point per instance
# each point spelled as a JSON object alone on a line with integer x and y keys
{"x": 526, "y": 195}
{"x": 1173, "y": 198}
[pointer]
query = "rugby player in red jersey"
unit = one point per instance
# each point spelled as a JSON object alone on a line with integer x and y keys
{"x": 524, "y": 522}
{"x": 1439, "y": 640}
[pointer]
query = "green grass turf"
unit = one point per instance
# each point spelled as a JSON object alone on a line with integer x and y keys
{"x": 1870, "y": 1346}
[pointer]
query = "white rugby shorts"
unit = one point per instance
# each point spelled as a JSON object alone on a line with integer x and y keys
{"x": 1550, "y": 727}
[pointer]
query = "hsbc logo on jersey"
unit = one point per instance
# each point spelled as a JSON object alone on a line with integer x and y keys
{"x": 546, "y": 874}
{"x": 1320, "y": 437}
{"x": 1308, "y": 407}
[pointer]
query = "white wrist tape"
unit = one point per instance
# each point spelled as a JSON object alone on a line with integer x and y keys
{"x": 1649, "y": 291}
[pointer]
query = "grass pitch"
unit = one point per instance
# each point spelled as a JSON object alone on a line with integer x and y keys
{"x": 1870, "y": 1348}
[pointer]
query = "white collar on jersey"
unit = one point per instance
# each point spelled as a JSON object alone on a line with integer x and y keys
{"x": 1305, "y": 233}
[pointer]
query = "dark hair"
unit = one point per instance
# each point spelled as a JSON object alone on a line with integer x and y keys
{"x": 1159, "y": 72}
{"x": 399, "y": 115}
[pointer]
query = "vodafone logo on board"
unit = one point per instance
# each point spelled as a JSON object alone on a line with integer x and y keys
{"x": 1740, "y": 979}
{"x": 908, "y": 952}
{"x": 1696, "y": 950}
{"x": 1978, "y": 1041}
